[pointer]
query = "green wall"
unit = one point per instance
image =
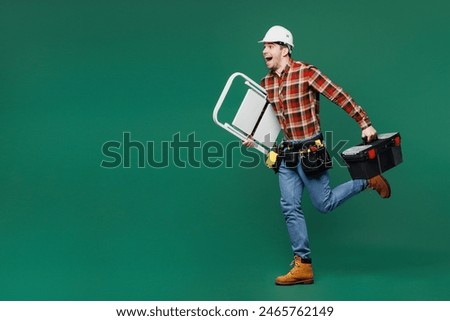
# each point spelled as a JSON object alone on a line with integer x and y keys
{"x": 77, "y": 74}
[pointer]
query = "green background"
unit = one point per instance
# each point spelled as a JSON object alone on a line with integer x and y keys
{"x": 76, "y": 74}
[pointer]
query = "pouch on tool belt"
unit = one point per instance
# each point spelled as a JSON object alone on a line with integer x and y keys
{"x": 273, "y": 160}
{"x": 315, "y": 159}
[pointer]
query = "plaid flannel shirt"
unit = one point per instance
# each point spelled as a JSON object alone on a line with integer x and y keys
{"x": 295, "y": 98}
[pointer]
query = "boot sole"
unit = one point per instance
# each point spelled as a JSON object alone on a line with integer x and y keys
{"x": 305, "y": 282}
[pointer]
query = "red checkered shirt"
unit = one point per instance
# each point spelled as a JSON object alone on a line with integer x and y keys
{"x": 295, "y": 98}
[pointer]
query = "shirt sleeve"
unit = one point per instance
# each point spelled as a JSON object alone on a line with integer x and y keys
{"x": 337, "y": 95}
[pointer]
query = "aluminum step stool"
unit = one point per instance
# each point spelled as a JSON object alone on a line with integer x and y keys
{"x": 255, "y": 116}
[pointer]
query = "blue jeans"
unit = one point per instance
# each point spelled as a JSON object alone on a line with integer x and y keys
{"x": 292, "y": 183}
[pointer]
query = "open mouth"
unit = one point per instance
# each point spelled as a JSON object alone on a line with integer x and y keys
{"x": 268, "y": 59}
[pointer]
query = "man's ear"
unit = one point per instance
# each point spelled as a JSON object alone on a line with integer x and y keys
{"x": 284, "y": 51}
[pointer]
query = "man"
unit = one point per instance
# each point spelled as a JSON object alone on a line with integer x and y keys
{"x": 293, "y": 89}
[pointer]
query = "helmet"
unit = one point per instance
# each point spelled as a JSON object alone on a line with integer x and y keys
{"x": 279, "y": 34}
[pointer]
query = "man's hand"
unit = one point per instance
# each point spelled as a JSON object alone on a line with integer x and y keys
{"x": 249, "y": 142}
{"x": 369, "y": 133}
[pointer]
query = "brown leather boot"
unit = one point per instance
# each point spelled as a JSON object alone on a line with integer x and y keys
{"x": 381, "y": 185}
{"x": 301, "y": 273}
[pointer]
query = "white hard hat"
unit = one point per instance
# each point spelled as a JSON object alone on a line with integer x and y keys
{"x": 279, "y": 34}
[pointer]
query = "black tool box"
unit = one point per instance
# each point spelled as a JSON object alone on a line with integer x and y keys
{"x": 374, "y": 158}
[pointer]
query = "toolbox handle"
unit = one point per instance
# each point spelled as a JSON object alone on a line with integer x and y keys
{"x": 364, "y": 139}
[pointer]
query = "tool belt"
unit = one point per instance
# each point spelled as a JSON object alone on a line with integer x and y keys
{"x": 311, "y": 154}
